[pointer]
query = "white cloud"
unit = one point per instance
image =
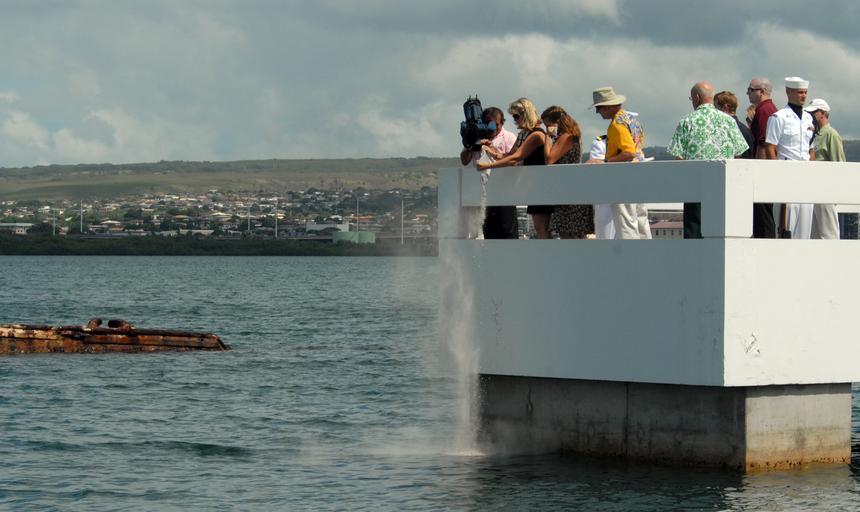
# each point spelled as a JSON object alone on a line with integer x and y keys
{"x": 394, "y": 136}
{"x": 21, "y": 128}
{"x": 9, "y": 97}
{"x": 608, "y": 9}
{"x": 221, "y": 81}
{"x": 69, "y": 148}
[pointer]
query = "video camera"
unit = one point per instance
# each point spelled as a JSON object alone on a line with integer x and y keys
{"x": 473, "y": 129}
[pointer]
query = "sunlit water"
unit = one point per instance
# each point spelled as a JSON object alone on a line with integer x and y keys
{"x": 337, "y": 395}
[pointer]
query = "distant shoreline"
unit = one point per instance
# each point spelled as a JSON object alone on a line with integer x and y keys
{"x": 12, "y": 245}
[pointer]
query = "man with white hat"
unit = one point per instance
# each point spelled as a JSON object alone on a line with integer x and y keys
{"x": 828, "y": 148}
{"x": 624, "y": 141}
{"x": 789, "y": 137}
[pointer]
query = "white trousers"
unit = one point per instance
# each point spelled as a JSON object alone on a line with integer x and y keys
{"x": 800, "y": 220}
{"x": 825, "y": 222}
{"x": 631, "y": 221}
{"x": 604, "y": 227}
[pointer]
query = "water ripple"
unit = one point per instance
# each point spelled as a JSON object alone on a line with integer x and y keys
{"x": 335, "y": 397}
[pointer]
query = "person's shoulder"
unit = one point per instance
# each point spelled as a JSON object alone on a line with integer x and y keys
{"x": 828, "y": 132}
{"x": 780, "y": 115}
{"x": 767, "y": 107}
{"x": 689, "y": 116}
{"x": 725, "y": 119}
{"x": 621, "y": 118}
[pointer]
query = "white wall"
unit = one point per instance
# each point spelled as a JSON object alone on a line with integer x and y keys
{"x": 726, "y": 310}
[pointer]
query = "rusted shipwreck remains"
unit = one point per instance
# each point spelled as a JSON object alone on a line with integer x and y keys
{"x": 93, "y": 338}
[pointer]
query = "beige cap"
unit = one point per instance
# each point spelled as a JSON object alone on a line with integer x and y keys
{"x": 605, "y": 96}
{"x": 816, "y": 105}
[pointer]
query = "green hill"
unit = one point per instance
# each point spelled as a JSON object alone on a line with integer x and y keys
{"x": 116, "y": 180}
{"x": 106, "y": 181}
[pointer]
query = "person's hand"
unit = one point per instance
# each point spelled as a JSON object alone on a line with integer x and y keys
{"x": 493, "y": 153}
{"x": 552, "y": 131}
{"x": 482, "y": 166}
{"x": 485, "y": 142}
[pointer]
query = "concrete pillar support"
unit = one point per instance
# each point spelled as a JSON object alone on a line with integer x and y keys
{"x": 746, "y": 428}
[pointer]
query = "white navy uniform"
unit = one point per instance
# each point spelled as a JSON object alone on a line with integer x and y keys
{"x": 792, "y": 137}
{"x": 604, "y": 228}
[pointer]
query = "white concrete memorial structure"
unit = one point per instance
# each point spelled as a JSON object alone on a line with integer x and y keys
{"x": 724, "y": 351}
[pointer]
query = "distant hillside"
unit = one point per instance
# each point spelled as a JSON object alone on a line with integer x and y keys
{"x": 109, "y": 180}
{"x": 105, "y": 181}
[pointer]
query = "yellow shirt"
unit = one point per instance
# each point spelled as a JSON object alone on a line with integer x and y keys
{"x": 619, "y": 136}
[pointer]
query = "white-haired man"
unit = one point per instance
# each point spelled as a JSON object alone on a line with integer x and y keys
{"x": 704, "y": 134}
{"x": 789, "y": 137}
{"x": 828, "y": 148}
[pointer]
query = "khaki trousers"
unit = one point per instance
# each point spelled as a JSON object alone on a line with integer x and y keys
{"x": 631, "y": 221}
{"x": 825, "y": 222}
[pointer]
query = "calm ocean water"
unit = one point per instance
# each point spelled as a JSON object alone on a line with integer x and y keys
{"x": 337, "y": 396}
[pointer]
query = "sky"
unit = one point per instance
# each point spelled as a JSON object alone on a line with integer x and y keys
{"x": 139, "y": 81}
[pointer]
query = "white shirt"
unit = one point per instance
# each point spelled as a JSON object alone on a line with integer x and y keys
{"x": 598, "y": 148}
{"x": 790, "y": 135}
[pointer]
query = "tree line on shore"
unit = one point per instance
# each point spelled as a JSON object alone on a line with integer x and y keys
{"x": 193, "y": 246}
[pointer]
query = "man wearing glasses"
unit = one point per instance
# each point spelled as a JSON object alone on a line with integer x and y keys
{"x": 759, "y": 92}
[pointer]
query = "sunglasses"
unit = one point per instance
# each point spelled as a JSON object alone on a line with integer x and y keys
{"x": 751, "y": 89}
{"x": 516, "y": 116}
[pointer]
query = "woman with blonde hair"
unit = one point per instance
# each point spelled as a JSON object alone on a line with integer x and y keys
{"x": 528, "y": 149}
{"x": 563, "y": 146}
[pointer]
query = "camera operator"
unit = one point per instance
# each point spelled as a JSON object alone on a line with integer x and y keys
{"x": 500, "y": 221}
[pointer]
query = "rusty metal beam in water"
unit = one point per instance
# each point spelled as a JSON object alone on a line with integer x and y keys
{"x": 92, "y": 338}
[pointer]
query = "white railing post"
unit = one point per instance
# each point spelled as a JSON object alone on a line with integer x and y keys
{"x": 450, "y": 210}
{"x": 727, "y": 198}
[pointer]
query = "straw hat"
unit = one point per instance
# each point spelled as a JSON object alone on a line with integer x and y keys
{"x": 605, "y": 96}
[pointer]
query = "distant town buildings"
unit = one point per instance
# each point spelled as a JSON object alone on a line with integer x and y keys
{"x": 300, "y": 214}
{"x": 306, "y": 214}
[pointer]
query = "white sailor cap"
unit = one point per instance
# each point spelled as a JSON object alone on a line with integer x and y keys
{"x": 795, "y": 82}
{"x": 817, "y": 104}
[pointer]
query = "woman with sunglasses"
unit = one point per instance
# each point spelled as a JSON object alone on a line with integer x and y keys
{"x": 563, "y": 146}
{"x": 528, "y": 149}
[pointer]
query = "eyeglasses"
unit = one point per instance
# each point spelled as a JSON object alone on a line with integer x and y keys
{"x": 751, "y": 89}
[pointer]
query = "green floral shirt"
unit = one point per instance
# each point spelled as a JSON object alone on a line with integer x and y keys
{"x": 707, "y": 134}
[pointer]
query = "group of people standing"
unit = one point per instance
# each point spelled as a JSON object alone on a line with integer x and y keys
{"x": 711, "y": 131}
